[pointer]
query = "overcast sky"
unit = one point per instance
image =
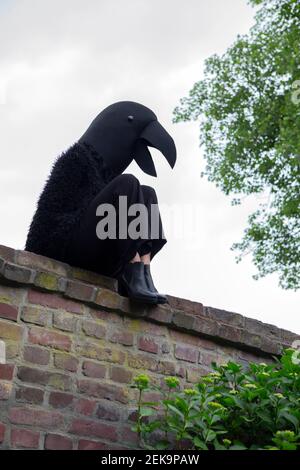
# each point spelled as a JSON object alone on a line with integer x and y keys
{"x": 63, "y": 61}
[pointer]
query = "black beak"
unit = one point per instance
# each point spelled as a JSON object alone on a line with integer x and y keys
{"x": 154, "y": 135}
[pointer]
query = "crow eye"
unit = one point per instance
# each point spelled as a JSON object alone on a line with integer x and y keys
{"x": 130, "y": 118}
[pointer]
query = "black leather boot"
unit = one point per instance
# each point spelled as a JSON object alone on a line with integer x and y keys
{"x": 132, "y": 283}
{"x": 162, "y": 298}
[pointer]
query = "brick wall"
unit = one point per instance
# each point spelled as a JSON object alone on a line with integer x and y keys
{"x": 73, "y": 346}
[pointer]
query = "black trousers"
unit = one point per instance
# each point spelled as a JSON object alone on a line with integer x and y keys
{"x": 108, "y": 256}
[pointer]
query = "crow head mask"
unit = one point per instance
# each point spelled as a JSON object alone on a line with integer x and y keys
{"x": 123, "y": 131}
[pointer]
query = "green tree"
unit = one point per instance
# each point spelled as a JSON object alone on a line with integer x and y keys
{"x": 248, "y": 106}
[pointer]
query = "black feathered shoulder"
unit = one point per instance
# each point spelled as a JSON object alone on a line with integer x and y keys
{"x": 75, "y": 179}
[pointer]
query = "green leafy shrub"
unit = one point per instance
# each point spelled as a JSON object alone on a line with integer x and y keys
{"x": 229, "y": 409}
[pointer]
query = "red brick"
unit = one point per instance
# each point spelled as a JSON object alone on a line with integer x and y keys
{"x": 36, "y": 355}
{"x": 119, "y": 374}
{"x": 94, "y": 329}
{"x": 103, "y": 390}
{"x": 91, "y": 369}
{"x": 129, "y": 436}
{"x": 142, "y": 361}
{"x": 10, "y": 331}
{"x": 186, "y": 354}
{"x": 80, "y": 291}
{"x": 2, "y": 432}
{"x": 49, "y": 338}
{"x": 122, "y": 337}
{"x": 84, "y": 427}
{"x": 206, "y": 358}
{"x": 110, "y": 317}
{"x": 24, "y": 438}
{"x": 44, "y": 377}
{"x": 35, "y": 417}
{"x": 6, "y": 371}
{"x": 60, "y": 400}
{"x": 85, "y": 407}
{"x": 9, "y": 312}
{"x": 187, "y": 306}
{"x": 91, "y": 445}
{"x": 54, "y": 301}
{"x": 148, "y": 345}
{"x": 66, "y": 362}
{"x": 166, "y": 368}
{"x": 57, "y": 442}
{"x": 30, "y": 395}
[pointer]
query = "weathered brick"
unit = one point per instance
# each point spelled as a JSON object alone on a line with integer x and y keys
{"x": 193, "y": 374}
{"x": 138, "y": 325}
{"x": 107, "y": 298}
{"x": 24, "y": 438}
{"x": 60, "y": 400}
{"x": 84, "y": 444}
{"x": 231, "y": 318}
{"x": 80, "y": 291}
{"x": 36, "y": 355}
{"x": 94, "y": 278}
{"x": 120, "y": 374}
{"x": 103, "y": 390}
{"x": 6, "y": 371}
{"x": 188, "y": 339}
{"x": 230, "y": 333}
{"x": 109, "y": 317}
{"x": 43, "y": 377}
{"x": 66, "y": 361}
{"x": 16, "y": 273}
{"x": 186, "y": 353}
{"x": 85, "y": 407}
{"x": 2, "y": 432}
{"x": 7, "y": 253}
{"x": 84, "y": 427}
{"x": 148, "y": 345}
{"x": 35, "y": 315}
{"x": 160, "y": 314}
{"x": 206, "y": 358}
{"x": 5, "y": 390}
{"x": 8, "y": 312}
{"x": 35, "y": 417}
{"x": 108, "y": 411}
{"x": 142, "y": 361}
{"x": 188, "y": 306}
{"x": 12, "y": 350}
{"x": 182, "y": 320}
{"x": 93, "y": 351}
{"x": 94, "y": 329}
{"x": 32, "y": 260}
{"x": 30, "y": 395}
{"x": 166, "y": 367}
{"x": 92, "y": 369}
{"x": 54, "y": 301}
{"x": 47, "y": 281}
{"x": 64, "y": 322}
{"x": 49, "y": 338}
{"x": 58, "y": 442}
{"x": 122, "y": 337}
{"x": 10, "y": 331}
{"x": 128, "y": 436}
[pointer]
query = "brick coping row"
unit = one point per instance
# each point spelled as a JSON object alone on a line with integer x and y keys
{"x": 22, "y": 268}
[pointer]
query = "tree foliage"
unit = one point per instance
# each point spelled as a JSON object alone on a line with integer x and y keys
{"x": 248, "y": 106}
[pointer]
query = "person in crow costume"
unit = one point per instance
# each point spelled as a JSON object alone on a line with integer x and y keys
{"x": 90, "y": 173}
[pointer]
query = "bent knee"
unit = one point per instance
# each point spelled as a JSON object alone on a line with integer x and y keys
{"x": 127, "y": 179}
{"x": 149, "y": 191}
